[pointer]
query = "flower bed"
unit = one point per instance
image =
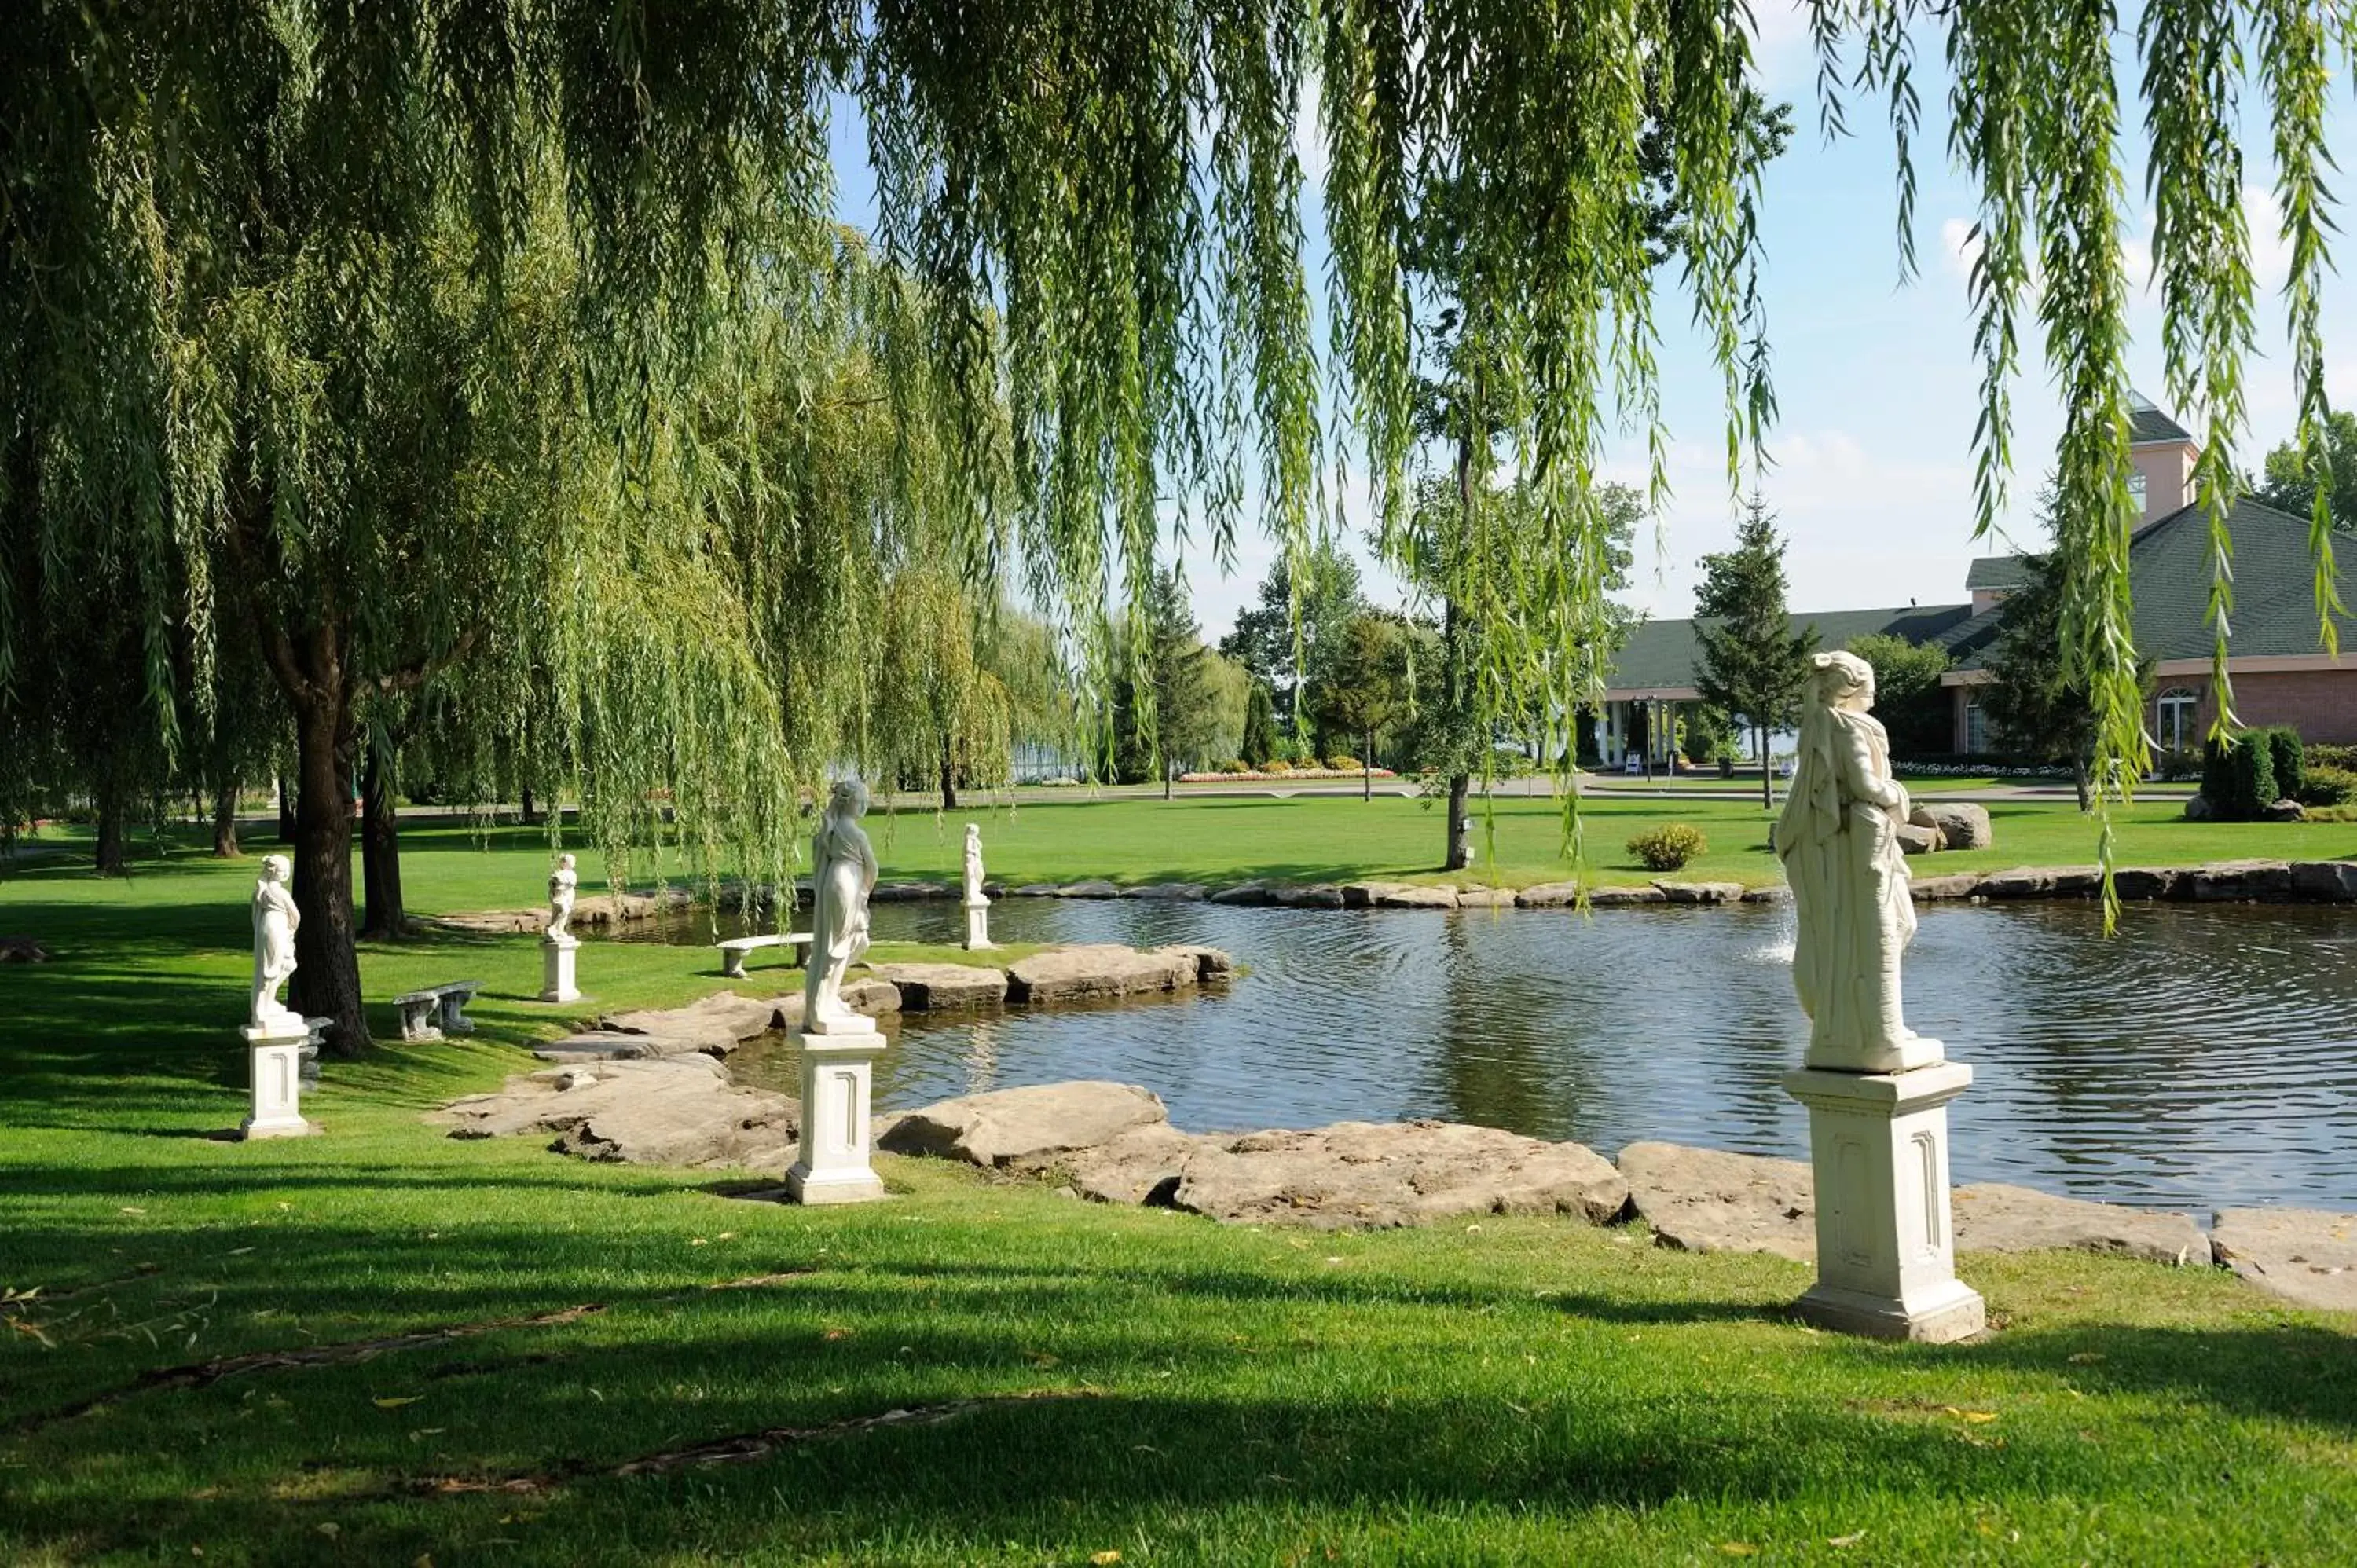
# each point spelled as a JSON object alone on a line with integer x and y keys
{"x": 1250, "y": 775}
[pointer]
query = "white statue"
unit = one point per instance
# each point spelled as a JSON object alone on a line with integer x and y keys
{"x": 562, "y": 884}
{"x": 974, "y": 865}
{"x": 845, "y": 865}
{"x": 276, "y": 920}
{"x": 1839, "y": 841}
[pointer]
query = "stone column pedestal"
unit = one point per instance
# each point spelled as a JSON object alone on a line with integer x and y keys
{"x": 837, "y": 1095}
{"x": 556, "y": 969}
{"x": 1886, "y": 1250}
{"x": 977, "y": 923}
{"x": 274, "y": 1074}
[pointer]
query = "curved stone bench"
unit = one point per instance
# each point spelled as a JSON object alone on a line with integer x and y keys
{"x": 734, "y": 951}
{"x": 437, "y": 1010}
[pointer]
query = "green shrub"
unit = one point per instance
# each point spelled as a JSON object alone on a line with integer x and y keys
{"x": 2329, "y": 786}
{"x": 2329, "y": 755}
{"x": 1238, "y": 766}
{"x": 2239, "y": 779}
{"x": 1669, "y": 846}
{"x": 1344, "y": 763}
{"x": 2290, "y": 759}
{"x": 1277, "y": 765}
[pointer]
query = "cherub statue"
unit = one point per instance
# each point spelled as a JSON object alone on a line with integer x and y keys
{"x": 562, "y": 884}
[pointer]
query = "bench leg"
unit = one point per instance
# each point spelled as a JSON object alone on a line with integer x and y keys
{"x": 732, "y": 964}
{"x": 417, "y": 1023}
{"x": 455, "y": 1022}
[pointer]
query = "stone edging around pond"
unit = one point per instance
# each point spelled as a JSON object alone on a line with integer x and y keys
{"x": 2220, "y": 881}
{"x": 1114, "y": 1143}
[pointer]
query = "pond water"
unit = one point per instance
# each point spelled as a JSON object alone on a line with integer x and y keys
{"x": 2205, "y": 1056}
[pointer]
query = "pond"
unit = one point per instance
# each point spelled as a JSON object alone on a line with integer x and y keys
{"x": 2203, "y": 1058}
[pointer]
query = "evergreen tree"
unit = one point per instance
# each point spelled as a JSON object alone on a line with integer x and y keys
{"x": 2288, "y": 481}
{"x": 1909, "y": 699}
{"x": 1754, "y": 664}
{"x": 1260, "y": 725}
{"x": 2034, "y": 708}
{"x": 1182, "y": 714}
{"x": 1367, "y": 689}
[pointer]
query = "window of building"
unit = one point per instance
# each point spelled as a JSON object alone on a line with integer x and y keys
{"x": 1975, "y": 727}
{"x": 2175, "y": 730}
{"x": 2136, "y": 492}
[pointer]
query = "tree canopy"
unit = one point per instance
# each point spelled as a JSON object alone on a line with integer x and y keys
{"x": 315, "y": 307}
{"x": 1753, "y": 663}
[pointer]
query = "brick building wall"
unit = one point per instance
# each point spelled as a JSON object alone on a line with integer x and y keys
{"x": 2321, "y": 705}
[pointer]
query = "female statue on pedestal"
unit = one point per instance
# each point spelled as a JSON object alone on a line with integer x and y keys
{"x": 843, "y": 866}
{"x": 1839, "y": 843}
{"x": 275, "y": 920}
{"x": 973, "y": 865}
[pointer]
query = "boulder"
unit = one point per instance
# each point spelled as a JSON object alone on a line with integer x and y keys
{"x": 1958, "y": 824}
{"x": 1402, "y": 895}
{"x": 1363, "y": 1174}
{"x": 868, "y": 994}
{"x": 909, "y": 892}
{"x": 1313, "y": 895}
{"x": 1024, "y": 1129}
{"x": 2200, "y": 809}
{"x": 1913, "y": 840}
{"x": 1706, "y": 1200}
{"x": 1934, "y": 889}
{"x": 2228, "y": 880}
{"x": 2304, "y": 1255}
{"x": 1992, "y": 1216}
{"x": 1210, "y": 964}
{"x": 1549, "y": 896}
{"x": 1170, "y": 892}
{"x": 1252, "y": 894}
{"x": 674, "y": 1110}
{"x": 1485, "y": 898}
{"x": 1601, "y": 897}
{"x": 2283, "y": 811}
{"x": 1141, "y": 1165}
{"x": 22, "y": 949}
{"x": 934, "y": 987}
{"x": 1700, "y": 892}
{"x": 1773, "y": 893}
{"x": 1036, "y": 890}
{"x": 1099, "y": 969}
{"x": 2042, "y": 882}
{"x": 2332, "y": 880}
{"x": 615, "y": 1046}
{"x": 1095, "y": 888}
{"x": 2144, "y": 882}
{"x": 723, "y": 1015}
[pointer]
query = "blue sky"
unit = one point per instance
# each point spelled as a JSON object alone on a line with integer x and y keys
{"x": 1877, "y": 383}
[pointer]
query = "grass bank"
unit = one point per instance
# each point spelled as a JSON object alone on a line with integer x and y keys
{"x": 384, "y": 1346}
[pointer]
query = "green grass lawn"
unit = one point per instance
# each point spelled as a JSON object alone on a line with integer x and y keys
{"x": 481, "y": 1352}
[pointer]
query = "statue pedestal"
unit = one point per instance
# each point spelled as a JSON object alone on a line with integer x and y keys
{"x": 1886, "y": 1250}
{"x": 556, "y": 969}
{"x": 836, "y": 1093}
{"x": 275, "y": 1072}
{"x": 977, "y": 923}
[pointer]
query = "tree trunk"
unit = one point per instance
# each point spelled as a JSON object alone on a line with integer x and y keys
{"x": 1168, "y": 774}
{"x": 386, "y": 919}
{"x": 225, "y": 846}
{"x": 1767, "y": 772}
{"x": 2080, "y": 779}
{"x": 286, "y": 813}
{"x": 530, "y": 810}
{"x": 110, "y": 861}
{"x": 1452, "y": 666}
{"x": 328, "y": 967}
{"x": 1367, "y": 769}
{"x": 949, "y": 779}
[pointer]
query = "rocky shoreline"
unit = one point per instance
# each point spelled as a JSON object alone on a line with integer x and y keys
{"x": 2224, "y": 881}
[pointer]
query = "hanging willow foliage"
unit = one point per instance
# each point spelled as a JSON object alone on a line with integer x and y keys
{"x": 316, "y": 310}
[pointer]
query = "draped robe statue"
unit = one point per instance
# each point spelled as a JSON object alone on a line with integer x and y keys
{"x": 844, "y": 866}
{"x": 1839, "y": 843}
{"x": 274, "y": 922}
{"x": 973, "y": 865}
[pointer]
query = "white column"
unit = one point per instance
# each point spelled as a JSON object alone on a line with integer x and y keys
{"x": 556, "y": 971}
{"x": 1886, "y": 1249}
{"x": 837, "y": 1093}
{"x": 273, "y": 1062}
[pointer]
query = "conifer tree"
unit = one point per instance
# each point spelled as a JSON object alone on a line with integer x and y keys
{"x": 1754, "y": 665}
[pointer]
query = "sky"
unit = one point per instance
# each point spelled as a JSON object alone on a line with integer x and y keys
{"x": 1876, "y": 380}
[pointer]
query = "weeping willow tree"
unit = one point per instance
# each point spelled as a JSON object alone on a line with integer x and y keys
{"x": 263, "y": 260}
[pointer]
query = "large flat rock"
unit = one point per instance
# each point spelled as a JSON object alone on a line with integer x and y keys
{"x": 1024, "y": 1129}
{"x": 2333, "y": 880}
{"x": 1701, "y": 892}
{"x": 669, "y": 1111}
{"x": 933, "y": 987}
{"x": 1366, "y": 1174}
{"x": 1708, "y": 1201}
{"x": 2304, "y": 1255}
{"x": 1099, "y": 969}
{"x": 1142, "y": 1166}
{"x": 724, "y": 1013}
{"x": 1992, "y": 1216}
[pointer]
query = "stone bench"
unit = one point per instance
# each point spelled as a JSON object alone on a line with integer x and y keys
{"x": 430, "y": 1014}
{"x": 733, "y": 950}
